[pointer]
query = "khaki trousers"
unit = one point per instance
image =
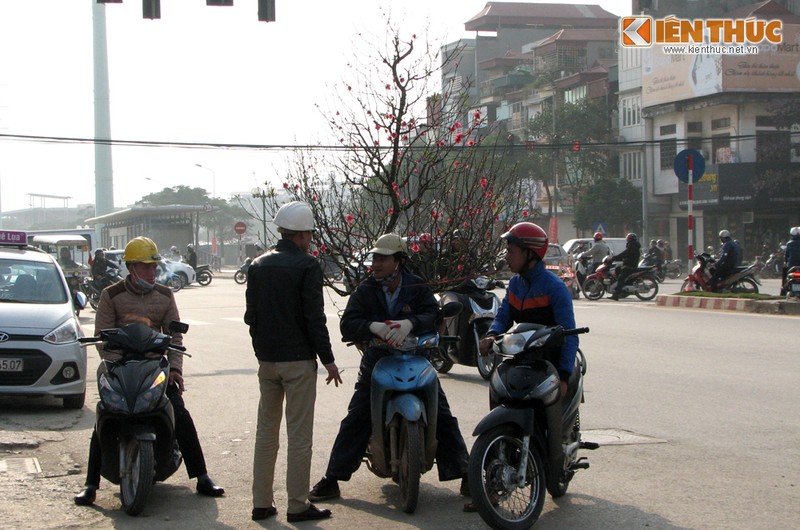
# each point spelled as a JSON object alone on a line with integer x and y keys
{"x": 297, "y": 380}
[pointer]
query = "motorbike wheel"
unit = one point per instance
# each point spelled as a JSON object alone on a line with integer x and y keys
{"x": 593, "y": 289}
{"x": 486, "y": 363}
{"x": 493, "y": 464}
{"x": 689, "y": 286}
{"x": 136, "y": 477}
{"x": 240, "y": 278}
{"x": 441, "y": 361}
{"x": 175, "y": 284}
{"x": 204, "y": 278}
{"x": 675, "y": 272}
{"x": 410, "y": 468}
{"x": 745, "y": 285}
{"x": 646, "y": 288}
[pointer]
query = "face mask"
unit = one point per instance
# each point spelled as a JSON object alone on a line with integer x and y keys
{"x": 145, "y": 286}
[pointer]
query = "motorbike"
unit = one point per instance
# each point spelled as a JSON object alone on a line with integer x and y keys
{"x": 92, "y": 287}
{"x": 773, "y": 266}
{"x": 650, "y": 261}
{"x": 529, "y": 442}
{"x": 240, "y": 276}
{"x": 744, "y": 278}
{"x": 642, "y": 282}
{"x": 135, "y": 421}
{"x": 673, "y": 268}
{"x": 792, "y": 285}
{"x": 204, "y": 274}
{"x": 479, "y": 307}
{"x": 404, "y": 402}
{"x": 169, "y": 279}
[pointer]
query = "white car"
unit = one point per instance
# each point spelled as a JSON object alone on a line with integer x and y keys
{"x": 182, "y": 270}
{"x": 39, "y": 330}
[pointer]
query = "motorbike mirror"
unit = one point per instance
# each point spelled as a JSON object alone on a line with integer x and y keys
{"x": 451, "y": 309}
{"x": 178, "y": 327}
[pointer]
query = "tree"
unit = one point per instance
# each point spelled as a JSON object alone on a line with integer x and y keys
{"x": 405, "y": 163}
{"x": 613, "y": 201}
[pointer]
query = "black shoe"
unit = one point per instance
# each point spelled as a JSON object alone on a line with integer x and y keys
{"x": 614, "y": 297}
{"x": 206, "y": 486}
{"x": 324, "y": 490}
{"x": 87, "y": 496}
{"x": 312, "y": 513}
{"x": 260, "y": 514}
{"x": 464, "y": 490}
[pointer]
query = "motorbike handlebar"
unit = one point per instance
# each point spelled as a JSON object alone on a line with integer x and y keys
{"x": 576, "y": 331}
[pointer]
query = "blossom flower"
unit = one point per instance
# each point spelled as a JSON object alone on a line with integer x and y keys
{"x": 470, "y": 143}
{"x": 414, "y": 247}
{"x": 350, "y": 219}
{"x": 525, "y": 213}
{"x": 286, "y": 185}
{"x": 484, "y": 182}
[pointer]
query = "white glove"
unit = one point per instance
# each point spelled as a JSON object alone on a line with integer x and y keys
{"x": 398, "y": 331}
{"x": 380, "y": 329}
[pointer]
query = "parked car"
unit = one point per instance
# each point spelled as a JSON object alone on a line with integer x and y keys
{"x": 39, "y": 329}
{"x": 182, "y": 270}
{"x": 615, "y": 244}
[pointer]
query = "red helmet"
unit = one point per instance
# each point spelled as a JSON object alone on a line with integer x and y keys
{"x": 598, "y": 236}
{"x": 529, "y": 236}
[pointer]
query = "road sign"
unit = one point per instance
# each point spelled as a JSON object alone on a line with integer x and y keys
{"x": 601, "y": 227}
{"x": 240, "y": 227}
{"x": 681, "y": 165}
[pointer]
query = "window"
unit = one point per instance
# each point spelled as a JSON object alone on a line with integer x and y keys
{"x": 666, "y": 130}
{"x": 694, "y": 127}
{"x": 632, "y": 165}
{"x": 720, "y": 148}
{"x": 721, "y": 123}
{"x": 669, "y": 148}
{"x": 631, "y": 109}
{"x": 695, "y": 142}
{"x": 765, "y": 121}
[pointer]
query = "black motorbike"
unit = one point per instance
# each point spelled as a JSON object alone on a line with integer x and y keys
{"x": 92, "y": 287}
{"x": 240, "y": 276}
{"x": 479, "y": 307}
{"x": 135, "y": 420}
{"x": 529, "y": 442}
{"x": 204, "y": 274}
{"x": 673, "y": 268}
{"x": 648, "y": 260}
{"x": 792, "y": 284}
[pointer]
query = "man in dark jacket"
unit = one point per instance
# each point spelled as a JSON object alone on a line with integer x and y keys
{"x": 286, "y": 314}
{"x": 630, "y": 262}
{"x": 791, "y": 258}
{"x": 729, "y": 258}
{"x": 388, "y": 305}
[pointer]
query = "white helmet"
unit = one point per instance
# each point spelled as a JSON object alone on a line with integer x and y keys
{"x": 295, "y": 216}
{"x": 794, "y": 232}
{"x": 724, "y": 234}
{"x": 389, "y": 245}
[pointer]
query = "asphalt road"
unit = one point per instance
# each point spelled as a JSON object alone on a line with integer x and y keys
{"x": 694, "y": 408}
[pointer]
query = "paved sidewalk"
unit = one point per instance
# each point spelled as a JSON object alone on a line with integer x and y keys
{"x": 774, "y": 307}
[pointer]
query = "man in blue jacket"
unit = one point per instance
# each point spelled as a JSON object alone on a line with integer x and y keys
{"x": 729, "y": 259}
{"x": 388, "y": 305}
{"x": 534, "y": 295}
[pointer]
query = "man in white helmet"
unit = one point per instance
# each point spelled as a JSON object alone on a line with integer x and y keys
{"x": 285, "y": 311}
{"x": 389, "y": 305}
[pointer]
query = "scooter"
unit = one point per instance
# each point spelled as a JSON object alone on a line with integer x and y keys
{"x": 240, "y": 276}
{"x": 479, "y": 307}
{"x": 792, "y": 285}
{"x": 673, "y": 268}
{"x": 642, "y": 282}
{"x": 404, "y": 402}
{"x": 743, "y": 280}
{"x": 529, "y": 442}
{"x": 204, "y": 274}
{"x": 135, "y": 420}
{"x": 92, "y": 288}
{"x": 650, "y": 261}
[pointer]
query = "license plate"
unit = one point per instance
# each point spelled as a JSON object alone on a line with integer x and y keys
{"x": 10, "y": 365}
{"x": 796, "y": 287}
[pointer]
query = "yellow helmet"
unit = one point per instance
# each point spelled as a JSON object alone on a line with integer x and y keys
{"x": 141, "y": 250}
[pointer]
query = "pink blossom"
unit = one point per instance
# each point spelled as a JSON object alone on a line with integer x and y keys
{"x": 414, "y": 247}
{"x": 458, "y": 138}
{"x": 458, "y": 125}
{"x": 349, "y": 218}
{"x": 388, "y": 86}
{"x": 323, "y": 248}
{"x": 390, "y": 211}
{"x": 404, "y": 201}
{"x": 470, "y": 143}
{"x": 484, "y": 182}
{"x": 524, "y": 213}
{"x": 460, "y": 267}
{"x": 315, "y": 254}
{"x": 286, "y": 185}
{"x": 440, "y": 143}
{"x": 456, "y": 163}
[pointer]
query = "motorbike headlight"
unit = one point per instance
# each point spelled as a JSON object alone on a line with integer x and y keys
{"x": 63, "y": 334}
{"x": 149, "y": 399}
{"x": 514, "y": 343}
{"x": 112, "y": 399}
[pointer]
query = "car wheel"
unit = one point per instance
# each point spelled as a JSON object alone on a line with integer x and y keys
{"x": 184, "y": 279}
{"x": 75, "y": 401}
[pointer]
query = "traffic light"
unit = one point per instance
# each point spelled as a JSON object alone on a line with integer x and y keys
{"x": 266, "y": 10}
{"x": 576, "y": 146}
{"x": 151, "y": 9}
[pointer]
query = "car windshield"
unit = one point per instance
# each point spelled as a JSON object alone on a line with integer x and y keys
{"x": 28, "y": 282}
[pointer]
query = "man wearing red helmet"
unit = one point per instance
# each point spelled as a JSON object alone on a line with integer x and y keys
{"x": 534, "y": 295}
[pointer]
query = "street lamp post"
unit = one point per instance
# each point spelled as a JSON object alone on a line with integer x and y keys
{"x": 213, "y": 179}
{"x": 263, "y": 194}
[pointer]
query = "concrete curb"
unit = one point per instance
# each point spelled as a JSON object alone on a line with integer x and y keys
{"x": 772, "y": 307}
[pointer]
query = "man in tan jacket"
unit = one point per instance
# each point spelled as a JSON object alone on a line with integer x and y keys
{"x": 139, "y": 299}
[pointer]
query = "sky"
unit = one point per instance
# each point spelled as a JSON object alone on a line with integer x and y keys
{"x": 200, "y": 74}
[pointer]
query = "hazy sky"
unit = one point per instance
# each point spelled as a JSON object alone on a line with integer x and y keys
{"x": 200, "y": 74}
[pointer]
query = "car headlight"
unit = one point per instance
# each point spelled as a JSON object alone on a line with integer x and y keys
{"x": 66, "y": 332}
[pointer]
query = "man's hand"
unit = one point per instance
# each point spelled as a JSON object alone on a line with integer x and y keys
{"x": 333, "y": 374}
{"x": 380, "y": 329}
{"x": 485, "y": 345}
{"x": 177, "y": 379}
{"x": 398, "y": 331}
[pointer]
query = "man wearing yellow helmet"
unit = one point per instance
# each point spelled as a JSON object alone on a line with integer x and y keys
{"x": 140, "y": 299}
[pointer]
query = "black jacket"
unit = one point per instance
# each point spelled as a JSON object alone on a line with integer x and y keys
{"x": 630, "y": 256}
{"x": 368, "y": 304}
{"x": 285, "y": 308}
